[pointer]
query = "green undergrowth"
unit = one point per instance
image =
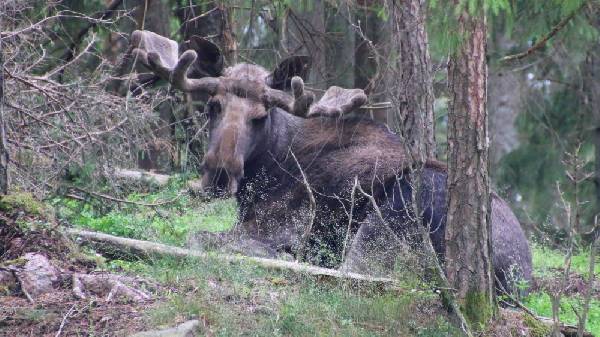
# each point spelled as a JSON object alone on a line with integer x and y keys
{"x": 540, "y": 303}
{"x": 550, "y": 262}
{"x": 239, "y": 299}
{"x": 235, "y": 299}
{"x": 549, "y": 265}
{"x": 175, "y": 217}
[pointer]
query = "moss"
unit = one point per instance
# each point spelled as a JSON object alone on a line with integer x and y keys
{"x": 18, "y": 262}
{"x": 536, "y": 328}
{"x": 25, "y": 202}
{"x": 477, "y": 309}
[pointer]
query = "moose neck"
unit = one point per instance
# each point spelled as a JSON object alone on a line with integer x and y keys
{"x": 276, "y": 144}
{"x": 284, "y": 126}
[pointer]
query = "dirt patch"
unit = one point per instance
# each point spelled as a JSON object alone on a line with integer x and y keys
{"x": 48, "y": 285}
{"x": 19, "y": 317}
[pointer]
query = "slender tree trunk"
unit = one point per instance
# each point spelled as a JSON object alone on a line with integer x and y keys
{"x": 370, "y": 37}
{"x": 408, "y": 77}
{"x": 468, "y": 231}
{"x": 304, "y": 34}
{"x": 591, "y": 83}
{"x": 211, "y": 21}
{"x": 505, "y": 92}
{"x": 3, "y": 148}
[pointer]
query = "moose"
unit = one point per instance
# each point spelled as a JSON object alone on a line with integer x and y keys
{"x": 295, "y": 165}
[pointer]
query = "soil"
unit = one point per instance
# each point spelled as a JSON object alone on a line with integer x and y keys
{"x": 59, "y": 313}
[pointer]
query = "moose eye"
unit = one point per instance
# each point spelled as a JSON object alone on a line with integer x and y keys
{"x": 259, "y": 121}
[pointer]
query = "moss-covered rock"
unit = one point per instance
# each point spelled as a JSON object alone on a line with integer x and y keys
{"x": 536, "y": 328}
{"x": 25, "y": 202}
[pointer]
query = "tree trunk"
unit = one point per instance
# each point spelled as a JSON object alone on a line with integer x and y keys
{"x": 211, "y": 21}
{"x": 408, "y": 78}
{"x": 304, "y": 34}
{"x": 591, "y": 90}
{"x": 3, "y": 148}
{"x": 505, "y": 92}
{"x": 468, "y": 231}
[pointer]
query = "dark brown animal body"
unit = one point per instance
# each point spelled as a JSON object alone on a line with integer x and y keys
{"x": 276, "y": 163}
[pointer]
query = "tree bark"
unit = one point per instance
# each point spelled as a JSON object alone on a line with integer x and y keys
{"x": 468, "y": 231}
{"x": 3, "y": 147}
{"x": 408, "y": 78}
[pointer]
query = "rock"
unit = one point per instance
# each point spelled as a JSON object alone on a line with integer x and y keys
{"x": 187, "y": 329}
{"x": 8, "y": 282}
{"x": 38, "y": 276}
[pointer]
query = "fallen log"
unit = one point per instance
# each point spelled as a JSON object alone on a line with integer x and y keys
{"x": 146, "y": 248}
{"x": 151, "y": 178}
{"x": 141, "y": 176}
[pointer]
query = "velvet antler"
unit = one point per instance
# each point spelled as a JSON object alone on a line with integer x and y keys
{"x": 338, "y": 101}
{"x": 160, "y": 55}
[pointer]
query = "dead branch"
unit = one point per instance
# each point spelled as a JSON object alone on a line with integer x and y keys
{"x": 145, "y": 249}
{"x": 141, "y": 176}
{"x": 542, "y": 42}
{"x": 107, "y": 13}
{"x": 312, "y": 211}
{"x": 64, "y": 320}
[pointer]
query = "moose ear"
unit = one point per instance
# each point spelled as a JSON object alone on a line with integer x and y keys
{"x": 210, "y": 59}
{"x": 281, "y": 77}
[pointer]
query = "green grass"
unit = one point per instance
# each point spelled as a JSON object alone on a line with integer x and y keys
{"x": 540, "y": 304}
{"x": 171, "y": 223}
{"x": 236, "y": 299}
{"x": 245, "y": 299}
{"x": 548, "y": 261}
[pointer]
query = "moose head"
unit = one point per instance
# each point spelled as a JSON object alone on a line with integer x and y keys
{"x": 240, "y": 99}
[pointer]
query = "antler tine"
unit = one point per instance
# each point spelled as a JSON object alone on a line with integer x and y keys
{"x": 297, "y": 105}
{"x": 161, "y": 58}
{"x": 302, "y": 99}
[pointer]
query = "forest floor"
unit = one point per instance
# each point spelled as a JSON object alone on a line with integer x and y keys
{"x": 229, "y": 299}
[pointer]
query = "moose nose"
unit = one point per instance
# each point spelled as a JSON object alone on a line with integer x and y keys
{"x": 221, "y": 176}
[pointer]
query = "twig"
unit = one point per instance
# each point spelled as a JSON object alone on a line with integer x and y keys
{"x": 107, "y": 13}
{"x": 352, "y": 193}
{"x": 64, "y": 320}
{"x": 312, "y": 210}
{"x": 542, "y": 42}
